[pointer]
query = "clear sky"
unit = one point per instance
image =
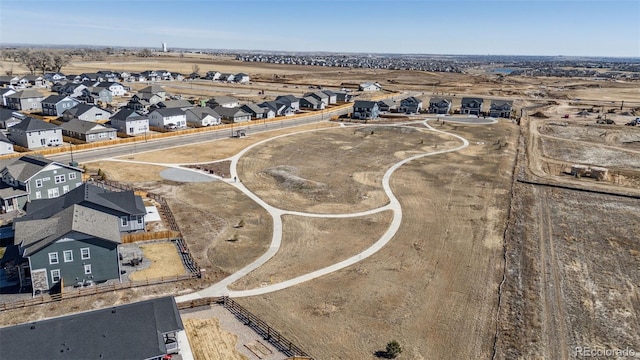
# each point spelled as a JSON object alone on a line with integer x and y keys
{"x": 507, "y": 27}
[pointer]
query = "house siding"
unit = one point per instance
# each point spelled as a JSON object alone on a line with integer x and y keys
{"x": 48, "y": 177}
{"x": 33, "y": 139}
{"x": 131, "y": 127}
{"x": 103, "y": 259}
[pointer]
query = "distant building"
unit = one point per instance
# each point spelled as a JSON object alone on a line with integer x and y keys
{"x": 439, "y": 105}
{"x": 471, "y": 106}
{"x": 365, "y": 110}
{"x": 164, "y": 47}
{"x": 500, "y": 108}
{"x": 370, "y": 86}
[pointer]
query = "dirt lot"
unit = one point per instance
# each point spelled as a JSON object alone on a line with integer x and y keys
{"x": 165, "y": 262}
{"x": 310, "y": 244}
{"x": 209, "y": 342}
{"x": 127, "y": 172}
{"x": 433, "y": 287}
{"x": 330, "y": 173}
{"x": 572, "y": 274}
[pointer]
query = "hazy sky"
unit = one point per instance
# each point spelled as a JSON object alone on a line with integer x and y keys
{"x": 510, "y": 27}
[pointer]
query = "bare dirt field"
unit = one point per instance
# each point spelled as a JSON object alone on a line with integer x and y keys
{"x": 336, "y": 170}
{"x": 165, "y": 262}
{"x": 209, "y": 342}
{"x": 217, "y": 149}
{"x": 433, "y": 287}
{"x": 313, "y": 243}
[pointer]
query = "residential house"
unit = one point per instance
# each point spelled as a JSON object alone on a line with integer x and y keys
{"x": 25, "y": 100}
{"x": 365, "y": 110}
{"x": 333, "y": 97}
{"x": 224, "y": 101}
{"x": 500, "y": 108}
{"x": 370, "y": 86}
{"x": 168, "y": 118}
{"x": 54, "y": 77}
{"x": 141, "y": 330}
{"x": 29, "y": 178}
{"x": 241, "y": 78}
{"x": 93, "y": 77}
{"x": 279, "y": 108}
{"x": 4, "y": 92}
{"x": 125, "y": 205}
{"x": 344, "y": 96}
{"x": 86, "y": 112}
{"x": 55, "y": 105}
{"x": 32, "y": 80}
{"x": 96, "y": 95}
{"x": 438, "y": 105}
{"x": 290, "y": 100}
{"x": 232, "y": 115}
{"x": 310, "y": 102}
{"x": 9, "y": 80}
{"x": 387, "y": 105}
{"x": 410, "y": 105}
{"x": 33, "y": 133}
{"x": 179, "y": 104}
{"x": 77, "y": 245}
{"x": 471, "y": 106}
{"x": 257, "y": 112}
{"x": 6, "y": 146}
{"x": 227, "y": 77}
{"x": 150, "y": 98}
{"x": 87, "y": 131}
{"x": 177, "y": 76}
{"x": 72, "y": 89}
{"x": 9, "y": 117}
{"x": 320, "y": 96}
{"x": 164, "y": 75}
{"x": 154, "y": 89}
{"x": 150, "y": 75}
{"x": 130, "y": 122}
{"x": 203, "y": 116}
{"x": 213, "y": 75}
{"x": 115, "y": 88}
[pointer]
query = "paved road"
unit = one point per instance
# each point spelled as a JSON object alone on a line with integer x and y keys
{"x": 140, "y": 145}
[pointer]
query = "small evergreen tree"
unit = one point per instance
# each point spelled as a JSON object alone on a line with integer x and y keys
{"x": 393, "y": 349}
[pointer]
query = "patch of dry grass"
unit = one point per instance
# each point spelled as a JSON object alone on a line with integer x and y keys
{"x": 165, "y": 262}
{"x": 209, "y": 342}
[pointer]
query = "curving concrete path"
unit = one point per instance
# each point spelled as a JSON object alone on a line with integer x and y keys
{"x": 221, "y": 288}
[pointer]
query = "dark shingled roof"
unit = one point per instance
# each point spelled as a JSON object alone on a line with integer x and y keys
{"x": 170, "y": 111}
{"x": 32, "y": 124}
{"x": 124, "y": 202}
{"x": 34, "y": 235}
{"x": 23, "y": 168}
{"x": 131, "y": 331}
{"x": 125, "y": 113}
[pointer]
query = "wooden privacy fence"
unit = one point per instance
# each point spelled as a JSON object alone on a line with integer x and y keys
{"x": 268, "y": 333}
{"x": 92, "y": 290}
{"x": 148, "y": 236}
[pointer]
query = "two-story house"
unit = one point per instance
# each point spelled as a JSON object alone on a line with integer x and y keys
{"x": 471, "y": 106}
{"x": 365, "y": 110}
{"x": 34, "y": 133}
{"x": 77, "y": 245}
{"x": 500, "y": 108}
{"x": 130, "y": 122}
{"x": 55, "y": 105}
{"x": 115, "y": 88}
{"x": 86, "y": 112}
{"x": 438, "y": 105}
{"x": 30, "y": 178}
{"x": 410, "y": 105}
{"x": 25, "y": 100}
{"x": 6, "y": 146}
{"x": 9, "y": 117}
{"x": 168, "y": 117}
{"x": 290, "y": 100}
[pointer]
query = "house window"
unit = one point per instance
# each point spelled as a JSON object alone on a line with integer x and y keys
{"x": 53, "y": 258}
{"x": 38, "y": 195}
{"x": 72, "y": 176}
{"x": 65, "y": 189}
{"x": 55, "y": 275}
{"x": 43, "y": 142}
{"x": 124, "y": 220}
{"x": 87, "y": 269}
{"x": 59, "y": 179}
{"x": 85, "y": 253}
{"x": 53, "y": 193}
{"x": 140, "y": 218}
{"x": 67, "y": 255}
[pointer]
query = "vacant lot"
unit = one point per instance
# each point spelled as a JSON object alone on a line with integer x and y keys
{"x": 572, "y": 274}
{"x": 130, "y": 173}
{"x": 434, "y": 286}
{"x": 309, "y": 244}
{"x": 336, "y": 170}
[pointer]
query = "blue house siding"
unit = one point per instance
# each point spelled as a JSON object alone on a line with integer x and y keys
{"x": 103, "y": 258}
{"x": 53, "y": 180}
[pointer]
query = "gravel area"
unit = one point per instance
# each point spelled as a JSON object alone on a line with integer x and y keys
{"x": 230, "y": 323}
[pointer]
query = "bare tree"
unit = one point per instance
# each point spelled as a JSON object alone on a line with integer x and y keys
{"x": 145, "y": 53}
{"x": 58, "y": 60}
{"x": 196, "y": 69}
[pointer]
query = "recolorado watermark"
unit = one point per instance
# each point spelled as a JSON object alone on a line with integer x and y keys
{"x": 602, "y": 352}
